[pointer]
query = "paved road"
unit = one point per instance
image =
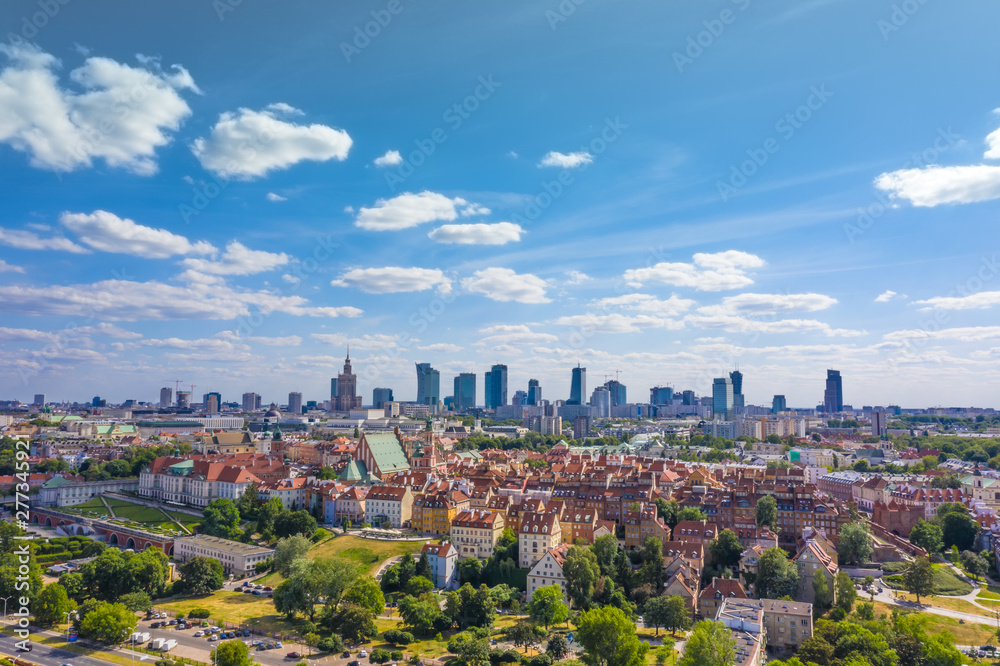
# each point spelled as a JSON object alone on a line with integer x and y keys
{"x": 45, "y": 655}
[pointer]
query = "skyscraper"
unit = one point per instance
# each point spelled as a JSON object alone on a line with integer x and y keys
{"x": 497, "y": 378}
{"x": 619, "y": 394}
{"x": 879, "y": 423}
{"x": 212, "y": 402}
{"x": 736, "y": 377}
{"x": 600, "y": 400}
{"x": 183, "y": 399}
{"x": 333, "y": 393}
{"x": 250, "y": 402}
{"x": 578, "y": 386}
{"x": 661, "y": 395}
{"x": 39, "y": 400}
{"x": 166, "y": 397}
{"x": 833, "y": 397}
{"x": 778, "y": 404}
{"x": 687, "y": 398}
{"x": 465, "y": 392}
{"x": 722, "y": 398}
{"x": 488, "y": 388}
{"x": 295, "y": 402}
{"x": 428, "y": 385}
{"x": 347, "y": 388}
{"x": 534, "y": 392}
{"x": 520, "y": 398}
{"x": 380, "y": 396}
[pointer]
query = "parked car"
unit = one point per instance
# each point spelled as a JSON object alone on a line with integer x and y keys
{"x": 246, "y": 632}
{"x": 171, "y": 622}
{"x": 258, "y": 587}
{"x": 363, "y": 653}
{"x": 346, "y": 654}
{"x": 257, "y": 592}
{"x": 261, "y": 647}
{"x": 268, "y": 588}
{"x": 277, "y": 644}
{"x": 199, "y": 633}
{"x": 354, "y": 663}
{"x": 213, "y": 637}
{"x": 292, "y": 655}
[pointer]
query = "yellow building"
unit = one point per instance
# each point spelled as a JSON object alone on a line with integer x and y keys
{"x": 433, "y": 512}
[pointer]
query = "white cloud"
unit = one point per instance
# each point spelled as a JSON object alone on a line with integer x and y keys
{"x": 238, "y": 259}
{"x": 646, "y": 303}
{"x": 475, "y": 209}
{"x": 503, "y": 284}
{"x": 739, "y": 324}
{"x": 512, "y": 334}
{"x": 707, "y": 272}
{"x": 408, "y": 210}
{"x": 117, "y": 113}
{"x": 248, "y": 144}
{"x": 960, "y": 334}
{"x": 271, "y": 196}
{"x": 125, "y": 300}
{"x": 9, "y": 268}
{"x": 379, "y": 341}
{"x": 577, "y": 277}
{"x": 618, "y": 323}
{"x": 394, "y": 279}
{"x": 107, "y": 232}
{"x": 499, "y": 233}
{"x": 391, "y": 158}
{"x": 282, "y": 341}
{"x": 978, "y": 301}
{"x": 291, "y": 279}
{"x": 769, "y": 304}
{"x": 937, "y": 185}
{"x": 441, "y": 347}
{"x": 566, "y": 160}
{"x": 886, "y": 296}
{"x": 29, "y": 240}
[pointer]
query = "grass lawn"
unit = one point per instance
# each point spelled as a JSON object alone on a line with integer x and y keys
{"x": 969, "y": 633}
{"x": 185, "y": 519}
{"x": 948, "y": 603}
{"x": 232, "y": 607}
{"x": 141, "y": 514}
{"x": 946, "y": 582}
{"x": 369, "y": 552}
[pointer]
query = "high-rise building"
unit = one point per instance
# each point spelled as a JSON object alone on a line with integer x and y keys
{"x": 619, "y": 395}
{"x": 295, "y": 402}
{"x": 380, "y": 396}
{"x": 347, "y": 388}
{"x": 488, "y": 388}
{"x": 687, "y": 398}
{"x": 183, "y": 399}
{"x": 661, "y": 395}
{"x": 428, "y": 385}
{"x": 600, "y": 400}
{"x": 581, "y": 427}
{"x": 166, "y": 397}
{"x": 497, "y": 378}
{"x": 333, "y": 392}
{"x": 722, "y": 398}
{"x": 520, "y": 398}
{"x": 39, "y": 400}
{"x": 100, "y": 402}
{"x": 212, "y": 402}
{"x": 534, "y": 392}
{"x": 778, "y": 404}
{"x": 578, "y": 386}
{"x": 879, "y": 423}
{"x": 833, "y": 397}
{"x": 736, "y": 377}
{"x": 465, "y": 392}
{"x": 250, "y": 402}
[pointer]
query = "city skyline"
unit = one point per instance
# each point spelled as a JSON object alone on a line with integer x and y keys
{"x": 671, "y": 221}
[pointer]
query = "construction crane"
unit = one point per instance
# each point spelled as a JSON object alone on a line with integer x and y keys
{"x": 192, "y": 389}
{"x": 177, "y": 384}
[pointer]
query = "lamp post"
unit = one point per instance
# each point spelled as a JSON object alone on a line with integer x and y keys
{"x": 68, "y": 614}
{"x": 5, "y": 600}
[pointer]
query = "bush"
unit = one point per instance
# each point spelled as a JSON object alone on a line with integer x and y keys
{"x": 540, "y": 660}
{"x": 319, "y": 535}
{"x": 332, "y": 644}
{"x": 838, "y": 615}
{"x": 379, "y": 656}
{"x": 200, "y": 613}
{"x": 479, "y": 632}
{"x": 396, "y": 655}
{"x": 397, "y": 637}
{"x": 893, "y": 567}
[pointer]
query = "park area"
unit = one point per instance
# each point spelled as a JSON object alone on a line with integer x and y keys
{"x": 124, "y": 512}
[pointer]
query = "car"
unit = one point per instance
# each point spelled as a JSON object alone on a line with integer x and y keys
{"x": 213, "y": 637}
{"x": 354, "y": 663}
{"x": 258, "y": 587}
{"x": 261, "y": 647}
{"x": 247, "y": 590}
{"x": 246, "y": 632}
{"x": 171, "y": 622}
{"x": 363, "y": 653}
{"x": 155, "y": 625}
{"x": 292, "y": 655}
{"x": 206, "y": 623}
{"x": 247, "y": 583}
{"x": 277, "y": 644}
{"x": 199, "y": 633}
{"x": 65, "y": 664}
{"x": 257, "y": 592}
{"x": 256, "y": 643}
{"x": 268, "y": 588}
{"x": 269, "y": 646}
{"x": 346, "y": 654}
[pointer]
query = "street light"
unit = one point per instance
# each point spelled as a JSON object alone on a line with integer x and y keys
{"x": 5, "y": 600}
{"x": 68, "y": 614}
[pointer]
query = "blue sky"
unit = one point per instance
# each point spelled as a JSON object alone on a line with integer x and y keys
{"x": 639, "y": 187}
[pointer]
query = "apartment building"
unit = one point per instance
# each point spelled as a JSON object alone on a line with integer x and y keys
{"x": 475, "y": 532}
{"x": 389, "y": 504}
{"x": 238, "y": 559}
{"x": 539, "y": 533}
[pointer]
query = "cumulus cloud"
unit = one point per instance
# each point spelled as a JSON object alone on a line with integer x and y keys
{"x": 115, "y": 113}
{"x": 734, "y": 323}
{"x": 577, "y": 277}
{"x": 498, "y": 233}
{"x": 937, "y": 185}
{"x": 391, "y": 158}
{"x": 566, "y": 160}
{"x": 281, "y": 341}
{"x": 107, "y": 232}
{"x": 408, "y": 210}
{"x": 959, "y": 334}
{"x": 126, "y": 300}
{"x": 503, "y": 284}
{"x": 442, "y": 347}
{"x": 993, "y": 142}
{"x": 512, "y": 334}
{"x": 271, "y": 196}
{"x": 769, "y": 304}
{"x": 886, "y": 296}
{"x": 978, "y": 301}
{"x": 394, "y": 279}
{"x": 9, "y": 268}
{"x": 29, "y": 240}
{"x": 618, "y": 323}
{"x": 646, "y": 303}
{"x": 708, "y": 271}
{"x": 238, "y": 259}
{"x": 379, "y": 341}
{"x": 248, "y": 144}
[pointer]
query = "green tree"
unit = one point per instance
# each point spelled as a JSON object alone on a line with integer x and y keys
{"x": 73, "y": 582}
{"x": 340, "y": 575}
{"x": 424, "y": 567}
{"x": 51, "y": 604}
{"x": 710, "y": 644}
{"x": 294, "y": 522}
{"x": 557, "y": 647}
{"x": 581, "y": 571}
{"x": 816, "y": 650}
{"x": 678, "y": 615}
{"x": 767, "y": 511}
{"x": 232, "y": 653}
{"x": 366, "y": 593}
{"x": 605, "y": 549}
{"x": 470, "y": 570}
{"x": 776, "y": 575}
{"x": 690, "y": 513}
{"x": 822, "y": 594}
{"x": 655, "y": 613}
{"x": 608, "y": 637}
{"x": 202, "y": 575}
{"x": 267, "y": 514}
{"x": 521, "y": 634}
{"x": 475, "y": 653}
{"x": 725, "y": 549}
{"x": 846, "y": 592}
{"x": 547, "y": 606}
{"x": 137, "y": 602}
{"x": 221, "y": 518}
{"x": 974, "y": 563}
{"x": 418, "y": 585}
{"x": 918, "y": 577}
{"x": 927, "y": 536}
{"x": 356, "y": 623}
{"x": 248, "y": 505}
{"x": 108, "y": 623}
{"x": 288, "y": 550}
{"x": 855, "y": 544}
{"x": 651, "y": 571}
{"x": 959, "y": 529}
